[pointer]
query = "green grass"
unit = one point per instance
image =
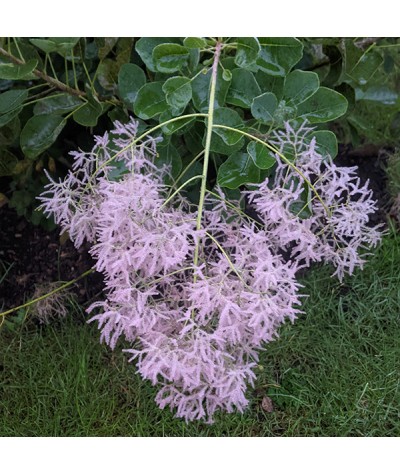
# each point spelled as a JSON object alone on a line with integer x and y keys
{"x": 335, "y": 372}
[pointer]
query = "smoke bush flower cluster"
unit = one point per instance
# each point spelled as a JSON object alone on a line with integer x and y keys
{"x": 195, "y": 330}
{"x": 336, "y": 205}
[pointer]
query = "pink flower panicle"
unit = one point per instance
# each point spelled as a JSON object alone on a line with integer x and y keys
{"x": 338, "y": 206}
{"x": 196, "y": 331}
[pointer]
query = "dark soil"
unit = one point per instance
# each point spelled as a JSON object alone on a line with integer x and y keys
{"x": 37, "y": 256}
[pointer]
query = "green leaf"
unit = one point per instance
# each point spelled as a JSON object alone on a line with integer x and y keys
{"x": 194, "y": 58}
{"x": 145, "y": 46}
{"x": 247, "y": 52}
{"x": 130, "y": 79}
{"x": 8, "y": 161}
{"x": 18, "y": 72}
{"x": 261, "y": 155}
{"x": 167, "y": 154}
{"x": 193, "y": 42}
{"x": 380, "y": 94}
{"x": 323, "y": 106}
{"x": 230, "y": 118}
{"x": 150, "y": 101}
{"x": 243, "y": 88}
{"x": 178, "y": 91}
{"x": 279, "y": 55}
{"x": 284, "y": 113}
{"x": 299, "y": 86}
{"x": 326, "y": 142}
{"x": 201, "y": 91}
{"x": 107, "y": 74}
{"x": 173, "y": 127}
{"x": 10, "y": 132}
{"x": 9, "y": 116}
{"x": 227, "y": 75}
{"x": 58, "y": 104}
{"x": 11, "y": 100}
{"x": 366, "y": 67}
{"x": 88, "y": 114}
{"x": 269, "y": 83}
{"x": 263, "y": 107}
{"x": 105, "y": 45}
{"x": 45, "y": 45}
{"x": 302, "y": 207}
{"x": 194, "y": 137}
{"x": 237, "y": 170}
{"x": 59, "y": 45}
{"x": 39, "y": 133}
{"x": 170, "y": 57}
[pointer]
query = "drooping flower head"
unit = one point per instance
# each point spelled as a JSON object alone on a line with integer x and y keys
{"x": 195, "y": 330}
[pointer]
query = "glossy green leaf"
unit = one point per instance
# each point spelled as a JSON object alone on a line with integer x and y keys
{"x": 247, "y": 52}
{"x": 299, "y": 86}
{"x": 227, "y": 75}
{"x": 107, "y": 74}
{"x": 178, "y": 91}
{"x": 173, "y": 127}
{"x": 170, "y": 57}
{"x": 39, "y": 133}
{"x": 326, "y": 142}
{"x": 12, "y": 100}
{"x": 194, "y": 59}
{"x": 58, "y": 104}
{"x": 230, "y": 118}
{"x": 105, "y": 45}
{"x": 150, "y": 101}
{"x": 167, "y": 154}
{"x": 263, "y": 107}
{"x": 145, "y": 46}
{"x": 380, "y": 94}
{"x": 130, "y": 79}
{"x": 60, "y": 45}
{"x": 45, "y": 45}
{"x": 323, "y": 106}
{"x": 243, "y": 89}
{"x": 18, "y": 71}
{"x": 283, "y": 113}
{"x": 194, "y": 137}
{"x": 88, "y": 114}
{"x": 366, "y": 67}
{"x": 201, "y": 91}
{"x": 278, "y": 55}
{"x": 237, "y": 170}
{"x": 270, "y": 83}
{"x": 9, "y": 116}
{"x": 261, "y": 155}
{"x": 194, "y": 42}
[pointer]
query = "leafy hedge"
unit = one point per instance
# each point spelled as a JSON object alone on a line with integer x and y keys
{"x": 53, "y": 89}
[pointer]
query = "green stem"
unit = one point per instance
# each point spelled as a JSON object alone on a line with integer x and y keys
{"x": 180, "y": 188}
{"x": 148, "y": 132}
{"x": 210, "y": 119}
{"x": 42, "y": 297}
{"x": 286, "y": 160}
{"x": 183, "y": 172}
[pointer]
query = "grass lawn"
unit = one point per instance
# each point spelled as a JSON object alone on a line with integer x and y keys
{"x": 335, "y": 372}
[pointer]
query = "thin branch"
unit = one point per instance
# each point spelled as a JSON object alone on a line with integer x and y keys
{"x": 40, "y": 74}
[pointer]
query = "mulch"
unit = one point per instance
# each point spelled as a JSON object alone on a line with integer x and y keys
{"x": 37, "y": 256}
